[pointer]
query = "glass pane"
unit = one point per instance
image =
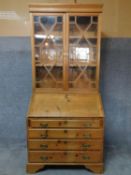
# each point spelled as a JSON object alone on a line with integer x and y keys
{"x": 59, "y": 19}
{"x": 83, "y": 22}
{"x": 82, "y": 51}
{"x": 48, "y": 21}
{"x": 36, "y": 18}
{"x": 82, "y": 77}
{"x": 48, "y": 51}
{"x": 95, "y": 19}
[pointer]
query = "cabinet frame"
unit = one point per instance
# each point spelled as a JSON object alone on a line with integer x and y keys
{"x": 74, "y": 117}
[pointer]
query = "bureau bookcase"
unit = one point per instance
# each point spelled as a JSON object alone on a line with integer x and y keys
{"x": 65, "y": 120}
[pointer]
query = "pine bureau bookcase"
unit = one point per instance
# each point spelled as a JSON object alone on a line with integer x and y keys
{"x": 65, "y": 120}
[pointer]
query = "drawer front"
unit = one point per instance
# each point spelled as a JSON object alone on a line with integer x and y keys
{"x": 67, "y": 133}
{"x": 65, "y": 144}
{"x": 65, "y": 156}
{"x": 89, "y": 123}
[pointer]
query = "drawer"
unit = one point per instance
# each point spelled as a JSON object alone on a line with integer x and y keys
{"x": 67, "y": 144}
{"x": 44, "y": 123}
{"x": 65, "y": 156}
{"x": 65, "y": 133}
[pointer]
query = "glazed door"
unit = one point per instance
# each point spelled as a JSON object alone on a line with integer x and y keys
{"x": 83, "y": 32}
{"x": 66, "y": 51}
{"x": 48, "y": 45}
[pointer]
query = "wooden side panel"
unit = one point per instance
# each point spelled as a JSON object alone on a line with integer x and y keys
{"x": 98, "y": 50}
{"x": 61, "y": 133}
{"x": 65, "y": 144}
{"x": 60, "y": 156}
{"x": 65, "y": 54}
{"x": 33, "y": 52}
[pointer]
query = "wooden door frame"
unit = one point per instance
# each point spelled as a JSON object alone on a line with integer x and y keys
{"x": 98, "y": 38}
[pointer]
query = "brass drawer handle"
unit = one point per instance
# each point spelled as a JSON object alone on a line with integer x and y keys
{"x": 43, "y": 146}
{"x": 86, "y": 157}
{"x": 87, "y": 136}
{"x": 86, "y": 145}
{"x": 44, "y": 136}
{"x": 44, "y": 125}
{"x": 88, "y": 125}
{"x": 43, "y": 158}
{"x": 65, "y": 122}
{"x": 65, "y": 131}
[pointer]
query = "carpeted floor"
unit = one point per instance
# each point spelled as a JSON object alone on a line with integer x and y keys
{"x": 13, "y": 161}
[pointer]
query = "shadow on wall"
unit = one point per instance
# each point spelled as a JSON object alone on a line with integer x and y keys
{"x": 115, "y": 88}
{"x": 15, "y": 87}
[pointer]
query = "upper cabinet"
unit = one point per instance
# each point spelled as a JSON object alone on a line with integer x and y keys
{"x": 66, "y": 47}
